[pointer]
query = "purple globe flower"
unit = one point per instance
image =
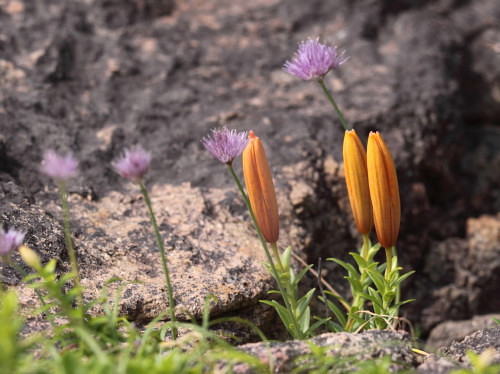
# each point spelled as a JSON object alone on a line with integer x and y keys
{"x": 225, "y": 145}
{"x": 57, "y": 166}
{"x": 133, "y": 164}
{"x": 313, "y": 60}
{"x": 10, "y": 240}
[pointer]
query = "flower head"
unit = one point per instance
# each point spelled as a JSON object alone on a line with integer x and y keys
{"x": 356, "y": 177}
{"x": 133, "y": 164}
{"x": 225, "y": 145}
{"x": 10, "y": 240}
{"x": 384, "y": 190}
{"x": 260, "y": 188}
{"x": 313, "y": 60}
{"x": 57, "y": 166}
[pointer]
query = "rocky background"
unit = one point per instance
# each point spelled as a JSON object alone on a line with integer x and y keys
{"x": 95, "y": 76}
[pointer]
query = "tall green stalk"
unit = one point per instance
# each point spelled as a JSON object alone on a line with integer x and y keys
{"x": 334, "y": 104}
{"x": 63, "y": 197}
{"x": 161, "y": 248}
{"x": 358, "y": 300}
{"x": 276, "y": 274}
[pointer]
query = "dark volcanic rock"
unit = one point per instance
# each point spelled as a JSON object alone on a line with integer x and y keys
{"x": 95, "y": 76}
{"x": 446, "y": 332}
{"x": 479, "y": 342}
{"x": 462, "y": 274}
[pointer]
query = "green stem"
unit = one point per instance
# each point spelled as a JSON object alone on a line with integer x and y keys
{"x": 398, "y": 288}
{"x": 358, "y": 300}
{"x": 276, "y": 255}
{"x": 365, "y": 247}
{"x": 276, "y": 275}
{"x": 337, "y": 110}
{"x": 388, "y": 268}
{"x": 159, "y": 243}
{"x": 63, "y": 197}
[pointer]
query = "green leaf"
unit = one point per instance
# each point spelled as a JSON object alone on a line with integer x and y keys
{"x": 335, "y": 327}
{"x": 374, "y": 297}
{"x": 402, "y": 278}
{"x": 355, "y": 284}
{"x": 373, "y": 251}
{"x": 300, "y": 275}
{"x": 403, "y": 302}
{"x": 360, "y": 261}
{"x": 285, "y": 258}
{"x": 378, "y": 280}
{"x": 305, "y": 320}
{"x": 50, "y": 267}
{"x": 336, "y": 311}
{"x": 303, "y": 303}
{"x": 316, "y": 325}
{"x": 350, "y": 269}
{"x": 282, "y": 312}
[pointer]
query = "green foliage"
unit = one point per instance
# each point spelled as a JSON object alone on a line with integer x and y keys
{"x": 297, "y": 318}
{"x": 372, "y": 285}
{"x": 80, "y": 342}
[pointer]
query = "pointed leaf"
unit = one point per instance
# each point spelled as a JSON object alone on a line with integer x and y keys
{"x": 378, "y": 280}
{"x": 360, "y": 261}
{"x": 300, "y": 275}
{"x": 316, "y": 325}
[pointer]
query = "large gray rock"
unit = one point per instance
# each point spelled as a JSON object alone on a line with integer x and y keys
{"x": 346, "y": 350}
{"x": 446, "y": 332}
{"x": 478, "y": 342}
{"x": 95, "y": 76}
{"x": 463, "y": 275}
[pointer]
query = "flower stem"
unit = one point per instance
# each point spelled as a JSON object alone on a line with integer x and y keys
{"x": 366, "y": 246}
{"x": 63, "y": 197}
{"x": 337, "y": 110}
{"x": 161, "y": 248}
{"x": 276, "y": 275}
{"x": 388, "y": 269}
{"x": 358, "y": 300}
{"x": 398, "y": 289}
{"x": 276, "y": 255}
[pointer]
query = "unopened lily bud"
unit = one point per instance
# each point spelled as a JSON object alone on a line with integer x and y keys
{"x": 384, "y": 190}
{"x": 356, "y": 177}
{"x": 30, "y": 257}
{"x": 260, "y": 188}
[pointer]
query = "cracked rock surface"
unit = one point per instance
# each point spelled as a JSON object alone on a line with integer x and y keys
{"x": 95, "y": 76}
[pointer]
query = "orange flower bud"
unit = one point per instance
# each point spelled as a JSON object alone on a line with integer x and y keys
{"x": 260, "y": 188}
{"x": 356, "y": 177}
{"x": 384, "y": 190}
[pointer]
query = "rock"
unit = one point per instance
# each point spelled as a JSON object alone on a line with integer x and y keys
{"x": 347, "y": 351}
{"x": 446, "y": 332}
{"x": 113, "y": 239}
{"x": 478, "y": 342}
{"x": 463, "y": 275}
{"x": 436, "y": 365}
{"x": 43, "y": 232}
{"x": 96, "y": 76}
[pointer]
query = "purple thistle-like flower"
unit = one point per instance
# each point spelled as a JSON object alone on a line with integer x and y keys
{"x": 10, "y": 240}
{"x": 133, "y": 164}
{"x": 313, "y": 60}
{"x": 57, "y": 166}
{"x": 225, "y": 145}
